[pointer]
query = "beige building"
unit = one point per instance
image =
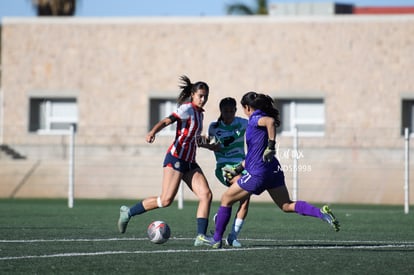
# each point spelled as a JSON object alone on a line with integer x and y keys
{"x": 345, "y": 82}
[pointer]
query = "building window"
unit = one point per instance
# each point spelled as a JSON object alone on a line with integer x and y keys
{"x": 52, "y": 115}
{"x": 407, "y": 118}
{"x": 307, "y": 115}
{"x": 161, "y": 108}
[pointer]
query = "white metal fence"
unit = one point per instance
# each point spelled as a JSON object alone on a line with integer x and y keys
{"x": 316, "y": 169}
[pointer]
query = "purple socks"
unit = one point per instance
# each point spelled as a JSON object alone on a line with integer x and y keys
{"x": 224, "y": 213}
{"x": 306, "y": 209}
{"x": 223, "y": 217}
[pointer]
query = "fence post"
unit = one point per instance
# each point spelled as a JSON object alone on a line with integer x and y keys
{"x": 1, "y": 116}
{"x": 181, "y": 196}
{"x": 295, "y": 164}
{"x": 71, "y": 166}
{"x": 407, "y": 171}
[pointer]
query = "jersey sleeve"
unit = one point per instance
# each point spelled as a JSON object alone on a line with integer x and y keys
{"x": 211, "y": 129}
{"x": 244, "y": 122}
{"x": 254, "y": 120}
{"x": 182, "y": 111}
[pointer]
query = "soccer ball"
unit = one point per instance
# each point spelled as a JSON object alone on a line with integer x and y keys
{"x": 158, "y": 232}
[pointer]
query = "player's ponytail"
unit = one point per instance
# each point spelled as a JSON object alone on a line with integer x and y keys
{"x": 272, "y": 110}
{"x": 188, "y": 88}
{"x": 262, "y": 102}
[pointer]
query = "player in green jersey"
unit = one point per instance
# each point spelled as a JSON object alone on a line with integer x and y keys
{"x": 226, "y": 136}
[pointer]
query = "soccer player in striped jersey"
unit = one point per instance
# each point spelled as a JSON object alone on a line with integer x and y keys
{"x": 264, "y": 172}
{"x": 180, "y": 160}
{"x": 228, "y": 132}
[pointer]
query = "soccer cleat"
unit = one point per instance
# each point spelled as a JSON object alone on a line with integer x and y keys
{"x": 329, "y": 217}
{"x": 200, "y": 240}
{"x": 215, "y": 244}
{"x": 123, "y": 218}
{"x": 232, "y": 241}
{"x": 204, "y": 240}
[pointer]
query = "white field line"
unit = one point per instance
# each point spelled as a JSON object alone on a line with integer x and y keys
{"x": 73, "y": 240}
{"x": 350, "y": 245}
{"x": 187, "y": 239}
{"x": 74, "y": 254}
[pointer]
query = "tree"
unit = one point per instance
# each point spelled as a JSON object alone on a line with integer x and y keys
{"x": 240, "y": 8}
{"x": 55, "y": 7}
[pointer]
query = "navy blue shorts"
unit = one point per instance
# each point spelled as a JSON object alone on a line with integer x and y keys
{"x": 178, "y": 164}
{"x": 257, "y": 184}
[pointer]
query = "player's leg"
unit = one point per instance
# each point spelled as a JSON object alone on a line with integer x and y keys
{"x": 197, "y": 182}
{"x": 280, "y": 196}
{"x": 233, "y": 194}
{"x": 243, "y": 209}
{"x": 170, "y": 183}
{"x": 232, "y": 238}
{"x": 240, "y": 214}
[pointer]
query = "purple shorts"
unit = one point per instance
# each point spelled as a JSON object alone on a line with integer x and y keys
{"x": 257, "y": 184}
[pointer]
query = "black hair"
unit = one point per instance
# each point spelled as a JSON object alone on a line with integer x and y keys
{"x": 261, "y": 102}
{"x": 225, "y": 102}
{"x": 188, "y": 88}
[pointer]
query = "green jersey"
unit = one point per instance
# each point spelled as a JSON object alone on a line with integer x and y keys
{"x": 231, "y": 138}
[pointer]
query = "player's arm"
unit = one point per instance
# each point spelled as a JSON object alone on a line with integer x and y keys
{"x": 269, "y": 123}
{"x": 209, "y": 142}
{"x": 212, "y": 144}
{"x": 159, "y": 126}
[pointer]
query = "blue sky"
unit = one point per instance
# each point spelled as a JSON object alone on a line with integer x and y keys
{"x": 121, "y": 8}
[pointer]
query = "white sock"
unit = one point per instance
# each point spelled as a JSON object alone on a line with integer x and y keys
{"x": 237, "y": 226}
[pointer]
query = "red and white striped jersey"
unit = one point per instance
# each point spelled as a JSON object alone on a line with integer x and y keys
{"x": 189, "y": 126}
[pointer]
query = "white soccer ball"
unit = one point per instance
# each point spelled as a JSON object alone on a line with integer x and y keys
{"x": 158, "y": 232}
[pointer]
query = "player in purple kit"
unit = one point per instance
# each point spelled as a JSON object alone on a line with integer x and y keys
{"x": 180, "y": 162}
{"x": 264, "y": 172}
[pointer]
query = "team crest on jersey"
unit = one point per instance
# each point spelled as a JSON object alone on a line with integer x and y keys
{"x": 177, "y": 165}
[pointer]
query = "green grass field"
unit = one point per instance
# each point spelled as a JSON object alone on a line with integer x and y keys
{"x": 45, "y": 237}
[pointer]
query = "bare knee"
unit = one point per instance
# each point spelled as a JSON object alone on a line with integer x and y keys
{"x": 164, "y": 202}
{"x": 226, "y": 200}
{"x": 199, "y": 186}
{"x": 206, "y": 195}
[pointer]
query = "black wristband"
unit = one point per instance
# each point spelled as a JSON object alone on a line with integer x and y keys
{"x": 271, "y": 144}
{"x": 239, "y": 169}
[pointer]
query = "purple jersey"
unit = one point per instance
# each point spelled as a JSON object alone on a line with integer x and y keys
{"x": 256, "y": 140}
{"x": 260, "y": 175}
